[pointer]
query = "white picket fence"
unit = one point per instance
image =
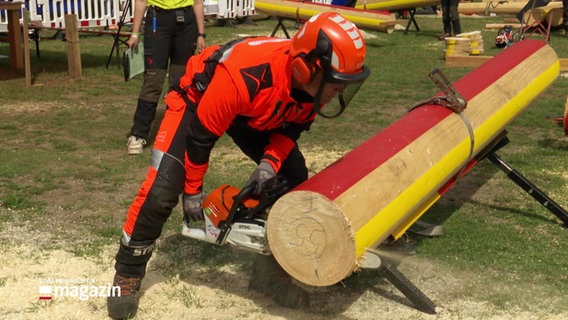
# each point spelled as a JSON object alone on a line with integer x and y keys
{"x": 90, "y": 13}
{"x": 106, "y": 13}
{"x": 232, "y": 8}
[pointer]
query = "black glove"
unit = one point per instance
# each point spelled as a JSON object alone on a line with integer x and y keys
{"x": 263, "y": 172}
{"x": 192, "y": 210}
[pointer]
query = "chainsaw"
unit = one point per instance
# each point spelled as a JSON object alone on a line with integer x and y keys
{"x": 236, "y": 217}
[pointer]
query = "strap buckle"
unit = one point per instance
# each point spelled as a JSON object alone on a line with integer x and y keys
{"x": 453, "y": 100}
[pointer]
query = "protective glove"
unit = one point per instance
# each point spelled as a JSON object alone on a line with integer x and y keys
{"x": 263, "y": 172}
{"x": 192, "y": 210}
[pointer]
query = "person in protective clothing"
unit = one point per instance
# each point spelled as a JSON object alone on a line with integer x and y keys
{"x": 261, "y": 91}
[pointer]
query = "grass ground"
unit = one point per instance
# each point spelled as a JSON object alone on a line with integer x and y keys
{"x": 66, "y": 182}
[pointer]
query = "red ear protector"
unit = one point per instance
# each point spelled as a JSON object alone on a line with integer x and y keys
{"x": 303, "y": 69}
{"x": 304, "y": 66}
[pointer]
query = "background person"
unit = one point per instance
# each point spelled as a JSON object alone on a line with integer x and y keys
{"x": 263, "y": 92}
{"x": 171, "y": 29}
{"x": 450, "y": 18}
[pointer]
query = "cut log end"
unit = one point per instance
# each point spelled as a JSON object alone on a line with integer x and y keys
{"x": 311, "y": 238}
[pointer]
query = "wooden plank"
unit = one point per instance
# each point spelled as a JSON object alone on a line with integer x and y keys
{"x": 466, "y": 61}
{"x": 86, "y": 30}
{"x": 319, "y": 231}
{"x": 498, "y": 26}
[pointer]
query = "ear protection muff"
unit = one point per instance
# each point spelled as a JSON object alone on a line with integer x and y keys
{"x": 302, "y": 69}
{"x": 303, "y": 65}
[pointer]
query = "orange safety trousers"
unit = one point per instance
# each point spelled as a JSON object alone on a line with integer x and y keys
{"x": 158, "y": 194}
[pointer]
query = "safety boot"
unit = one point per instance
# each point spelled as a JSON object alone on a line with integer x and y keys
{"x": 269, "y": 278}
{"x": 125, "y": 305}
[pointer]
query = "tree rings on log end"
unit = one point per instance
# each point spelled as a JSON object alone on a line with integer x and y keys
{"x": 311, "y": 238}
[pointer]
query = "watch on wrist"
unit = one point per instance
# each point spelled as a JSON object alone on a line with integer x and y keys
{"x": 201, "y": 35}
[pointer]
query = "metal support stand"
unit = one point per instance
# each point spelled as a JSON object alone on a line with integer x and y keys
{"x": 388, "y": 270}
{"x": 411, "y": 20}
{"x": 278, "y": 26}
{"x": 523, "y": 182}
{"x": 401, "y": 282}
{"x": 529, "y": 187}
{"x": 117, "y": 41}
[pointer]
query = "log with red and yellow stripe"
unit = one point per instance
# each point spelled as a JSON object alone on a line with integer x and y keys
{"x": 319, "y": 231}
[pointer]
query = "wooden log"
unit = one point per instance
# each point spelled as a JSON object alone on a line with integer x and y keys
{"x": 497, "y": 7}
{"x": 393, "y": 5}
{"x": 300, "y": 10}
{"x": 551, "y": 13}
{"x": 320, "y": 230}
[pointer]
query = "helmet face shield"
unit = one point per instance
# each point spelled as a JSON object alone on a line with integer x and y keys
{"x": 351, "y": 83}
{"x": 332, "y": 50}
{"x": 336, "y": 106}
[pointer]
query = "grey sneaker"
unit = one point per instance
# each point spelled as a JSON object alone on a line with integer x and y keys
{"x": 125, "y": 305}
{"x": 269, "y": 278}
{"x": 135, "y": 145}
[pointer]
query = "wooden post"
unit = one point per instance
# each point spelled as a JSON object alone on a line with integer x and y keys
{"x": 319, "y": 231}
{"x": 566, "y": 118}
{"x": 14, "y": 33}
{"x": 27, "y": 65}
{"x": 73, "y": 47}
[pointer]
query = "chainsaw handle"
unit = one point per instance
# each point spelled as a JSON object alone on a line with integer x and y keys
{"x": 273, "y": 188}
{"x": 237, "y": 200}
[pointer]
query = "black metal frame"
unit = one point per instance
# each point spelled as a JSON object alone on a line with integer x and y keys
{"x": 411, "y": 20}
{"x": 523, "y": 182}
{"x": 117, "y": 41}
{"x": 278, "y": 26}
{"x": 404, "y": 285}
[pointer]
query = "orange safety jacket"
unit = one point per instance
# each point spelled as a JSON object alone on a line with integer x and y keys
{"x": 247, "y": 82}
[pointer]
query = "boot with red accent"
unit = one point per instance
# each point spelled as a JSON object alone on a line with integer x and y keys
{"x": 125, "y": 304}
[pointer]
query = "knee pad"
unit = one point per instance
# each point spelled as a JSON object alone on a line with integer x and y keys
{"x": 169, "y": 181}
{"x": 153, "y": 84}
